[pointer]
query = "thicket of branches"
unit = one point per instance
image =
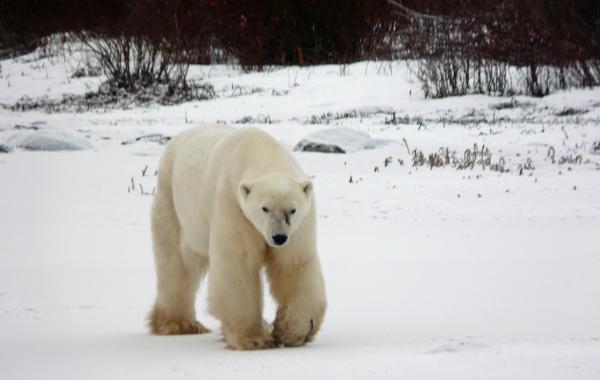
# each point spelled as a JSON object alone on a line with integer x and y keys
{"x": 147, "y": 44}
{"x": 461, "y": 46}
{"x": 266, "y": 32}
{"x": 253, "y": 32}
{"x": 467, "y": 46}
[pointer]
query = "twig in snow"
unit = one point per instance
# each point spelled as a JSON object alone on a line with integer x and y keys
{"x": 406, "y": 145}
{"x": 551, "y": 153}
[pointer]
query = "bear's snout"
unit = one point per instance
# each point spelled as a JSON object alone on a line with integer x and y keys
{"x": 279, "y": 239}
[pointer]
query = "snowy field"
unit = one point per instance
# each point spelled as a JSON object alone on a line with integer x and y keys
{"x": 431, "y": 273}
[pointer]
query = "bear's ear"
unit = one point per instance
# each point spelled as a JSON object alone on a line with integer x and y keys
{"x": 307, "y": 187}
{"x": 245, "y": 188}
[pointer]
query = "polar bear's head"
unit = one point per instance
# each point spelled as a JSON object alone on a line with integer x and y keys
{"x": 276, "y": 205}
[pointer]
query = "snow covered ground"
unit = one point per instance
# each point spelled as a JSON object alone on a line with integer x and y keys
{"x": 431, "y": 273}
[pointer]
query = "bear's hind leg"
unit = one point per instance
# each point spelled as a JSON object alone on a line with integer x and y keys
{"x": 174, "y": 311}
{"x": 179, "y": 272}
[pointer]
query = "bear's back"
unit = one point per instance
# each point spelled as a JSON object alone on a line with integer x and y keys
{"x": 255, "y": 153}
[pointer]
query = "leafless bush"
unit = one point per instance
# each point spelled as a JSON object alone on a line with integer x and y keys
{"x": 540, "y": 80}
{"x": 452, "y": 75}
{"x": 495, "y": 77}
{"x": 501, "y": 47}
{"x": 444, "y": 76}
{"x": 133, "y": 62}
{"x": 586, "y": 73}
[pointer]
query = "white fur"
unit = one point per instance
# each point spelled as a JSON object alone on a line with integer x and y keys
{"x": 208, "y": 215}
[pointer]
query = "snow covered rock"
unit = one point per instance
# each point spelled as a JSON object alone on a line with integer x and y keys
{"x": 51, "y": 141}
{"x": 335, "y": 140}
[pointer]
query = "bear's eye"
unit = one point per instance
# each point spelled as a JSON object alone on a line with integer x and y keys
{"x": 265, "y": 209}
{"x": 293, "y": 211}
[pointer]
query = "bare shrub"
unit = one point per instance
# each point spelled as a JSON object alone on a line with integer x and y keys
{"x": 474, "y": 47}
{"x": 444, "y": 76}
{"x": 148, "y": 49}
{"x": 495, "y": 77}
{"x": 133, "y": 62}
{"x": 450, "y": 76}
{"x": 585, "y": 73}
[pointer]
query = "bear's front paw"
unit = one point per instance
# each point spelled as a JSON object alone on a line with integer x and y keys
{"x": 237, "y": 340}
{"x": 250, "y": 343}
{"x": 291, "y": 329}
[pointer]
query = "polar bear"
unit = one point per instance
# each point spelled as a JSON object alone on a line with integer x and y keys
{"x": 231, "y": 202}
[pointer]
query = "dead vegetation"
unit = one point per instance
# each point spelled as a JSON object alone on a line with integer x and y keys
{"x": 109, "y": 96}
{"x": 570, "y": 159}
{"x": 471, "y": 158}
{"x": 571, "y": 112}
{"x": 147, "y": 178}
{"x": 329, "y": 117}
{"x": 258, "y": 119}
{"x": 477, "y": 157}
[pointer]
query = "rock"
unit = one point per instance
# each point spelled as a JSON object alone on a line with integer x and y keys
{"x": 51, "y": 141}
{"x": 5, "y": 148}
{"x": 335, "y": 140}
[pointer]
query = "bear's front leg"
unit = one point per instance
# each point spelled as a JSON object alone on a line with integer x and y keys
{"x": 235, "y": 298}
{"x": 300, "y": 291}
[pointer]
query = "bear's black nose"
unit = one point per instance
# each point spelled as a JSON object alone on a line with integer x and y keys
{"x": 279, "y": 239}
